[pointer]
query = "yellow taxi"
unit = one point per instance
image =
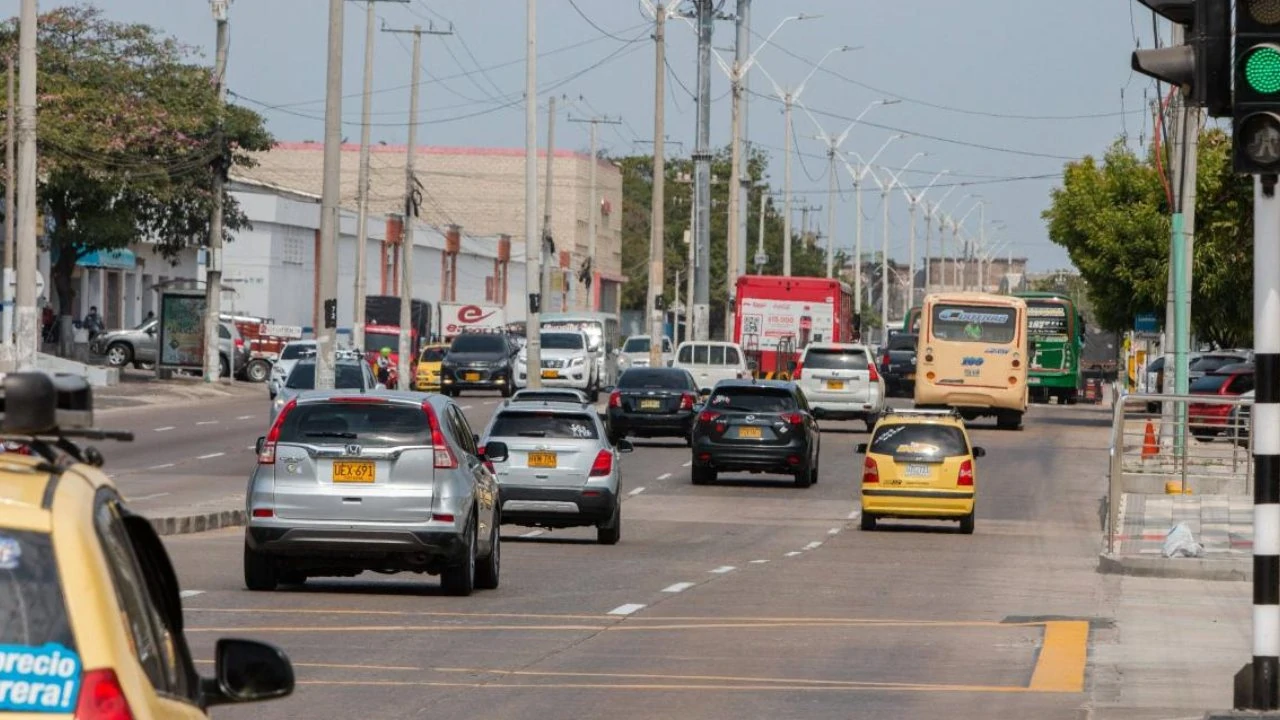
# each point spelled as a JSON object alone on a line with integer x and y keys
{"x": 95, "y": 626}
{"x": 919, "y": 465}
{"x": 426, "y": 376}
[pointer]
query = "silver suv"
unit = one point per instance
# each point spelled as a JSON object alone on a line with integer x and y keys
{"x": 390, "y": 482}
{"x": 560, "y": 470}
{"x": 137, "y": 346}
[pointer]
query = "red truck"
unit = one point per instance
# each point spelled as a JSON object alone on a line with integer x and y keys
{"x": 776, "y": 317}
{"x": 382, "y": 325}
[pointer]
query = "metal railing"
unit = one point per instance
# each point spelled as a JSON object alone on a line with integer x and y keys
{"x": 1177, "y": 444}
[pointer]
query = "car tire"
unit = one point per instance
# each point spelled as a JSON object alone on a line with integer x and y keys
{"x": 594, "y": 393}
{"x": 119, "y": 354}
{"x": 867, "y": 522}
{"x": 459, "y": 580}
{"x": 610, "y": 533}
{"x": 259, "y": 572}
{"x": 489, "y": 570}
{"x": 257, "y": 371}
{"x": 966, "y": 524}
{"x": 813, "y": 475}
{"x": 292, "y": 577}
{"x": 703, "y": 475}
{"x": 224, "y": 366}
{"x": 804, "y": 477}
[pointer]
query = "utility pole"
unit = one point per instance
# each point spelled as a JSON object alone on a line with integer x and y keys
{"x": 27, "y": 330}
{"x": 742, "y": 50}
{"x": 786, "y": 187}
{"x": 330, "y": 196}
{"x": 735, "y": 246}
{"x": 213, "y": 257}
{"x": 548, "y": 242}
{"x": 688, "y": 283}
{"x": 702, "y": 177}
{"x": 9, "y": 214}
{"x": 594, "y": 204}
{"x": 831, "y": 210}
{"x": 657, "y": 230}
{"x": 761, "y": 258}
{"x": 532, "y": 247}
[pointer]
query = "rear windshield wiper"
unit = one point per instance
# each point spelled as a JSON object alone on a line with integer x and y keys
{"x": 533, "y": 433}
{"x": 329, "y": 434}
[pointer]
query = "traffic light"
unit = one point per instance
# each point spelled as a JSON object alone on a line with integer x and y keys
{"x": 1256, "y": 116}
{"x": 1202, "y": 65}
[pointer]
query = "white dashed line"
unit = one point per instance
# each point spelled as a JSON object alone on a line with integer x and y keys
{"x": 664, "y": 476}
{"x": 467, "y": 407}
{"x": 532, "y": 533}
{"x": 152, "y": 496}
{"x": 635, "y": 492}
{"x": 166, "y": 428}
{"x": 678, "y": 587}
{"x": 207, "y": 422}
{"x": 251, "y": 447}
{"x": 161, "y": 466}
{"x": 723, "y": 569}
{"x": 191, "y": 593}
{"x": 833, "y": 531}
{"x": 245, "y": 417}
{"x": 759, "y": 562}
{"x": 210, "y": 456}
{"x": 688, "y": 464}
{"x": 626, "y": 609}
{"x": 793, "y": 553}
{"x": 855, "y": 514}
{"x": 813, "y": 545}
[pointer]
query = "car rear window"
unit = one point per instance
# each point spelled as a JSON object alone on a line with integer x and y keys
{"x": 1210, "y": 363}
{"x": 348, "y": 377}
{"x": 636, "y": 345}
{"x": 432, "y": 354}
{"x": 835, "y": 359}
{"x": 753, "y": 399}
{"x": 903, "y": 342}
{"x": 655, "y": 379}
{"x": 31, "y": 594}
{"x": 370, "y": 424}
{"x": 1209, "y": 383}
{"x": 919, "y": 440}
{"x": 548, "y": 424}
{"x": 293, "y": 352}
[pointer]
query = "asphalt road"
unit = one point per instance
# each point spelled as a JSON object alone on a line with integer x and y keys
{"x": 746, "y": 599}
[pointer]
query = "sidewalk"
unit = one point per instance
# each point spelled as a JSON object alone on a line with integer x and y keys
{"x": 141, "y": 388}
{"x": 1223, "y": 524}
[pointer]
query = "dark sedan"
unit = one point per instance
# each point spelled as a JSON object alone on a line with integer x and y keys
{"x": 898, "y": 365}
{"x": 758, "y": 427}
{"x": 653, "y": 402}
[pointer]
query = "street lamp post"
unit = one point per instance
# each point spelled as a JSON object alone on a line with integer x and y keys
{"x": 956, "y": 227}
{"x": 913, "y": 200}
{"x": 928, "y": 237}
{"x": 857, "y": 176}
{"x": 884, "y": 261}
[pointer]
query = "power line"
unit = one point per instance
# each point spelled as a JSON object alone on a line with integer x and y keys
{"x": 592, "y": 23}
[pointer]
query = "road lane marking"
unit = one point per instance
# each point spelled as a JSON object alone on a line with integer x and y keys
{"x": 1064, "y": 653}
{"x": 739, "y": 682}
{"x": 813, "y": 545}
{"x": 658, "y": 687}
{"x": 664, "y": 476}
{"x": 250, "y": 447}
{"x": 189, "y": 593}
{"x": 855, "y": 514}
{"x": 678, "y": 587}
{"x": 166, "y": 428}
{"x": 245, "y": 417}
{"x": 210, "y": 456}
{"x": 723, "y": 569}
{"x": 161, "y": 466}
{"x": 793, "y": 553}
{"x": 152, "y": 496}
{"x": 467, "y": 407}
{"x": 759, "y": 562}
{"x": 336, "y": 666}
{"x": 688, "y": 464}
{"x": 207, "y": 422}
{"x": 626, "y": 609}
{"x": 637, "y": 491}
{"x": 532, "y": 533}
{"x": 833, "y": 531}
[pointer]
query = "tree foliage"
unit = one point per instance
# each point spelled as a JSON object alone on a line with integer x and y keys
{"x": 1113, "y": 218}
{"x": 130, "y": 136}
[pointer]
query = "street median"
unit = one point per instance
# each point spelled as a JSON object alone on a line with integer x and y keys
{"x": 197, "y": 523}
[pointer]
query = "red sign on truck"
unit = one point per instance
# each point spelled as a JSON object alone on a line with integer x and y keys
{"x": 774, "y": 313}
{"x": 457, "y": 318}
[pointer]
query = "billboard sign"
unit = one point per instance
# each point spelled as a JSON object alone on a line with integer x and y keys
{"x": 180, "y": 344}
{"x": 457, "y": 318}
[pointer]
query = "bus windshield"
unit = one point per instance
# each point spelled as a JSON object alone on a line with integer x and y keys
{"x": 1048, "y": 320}
{"x": 974, "y": 323}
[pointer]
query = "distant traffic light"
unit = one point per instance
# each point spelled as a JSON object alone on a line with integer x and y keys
{"x": 1256, "y": 115}
{"x": 1201, "y": 66}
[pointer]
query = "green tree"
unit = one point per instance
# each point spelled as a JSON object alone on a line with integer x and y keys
{"x": 131, "y": 134}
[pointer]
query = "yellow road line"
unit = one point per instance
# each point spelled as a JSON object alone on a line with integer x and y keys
{"x": 333, "y": 666}
{"x": 619, "y": 627}
{"x": 703, "y": 678}
{"x": 391, "y": 613}
{"x": 673, "y": 686}
{"x": 1063, "y": 657}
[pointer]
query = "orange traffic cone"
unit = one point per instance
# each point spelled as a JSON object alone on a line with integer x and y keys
{"x": 1149, "y": 446}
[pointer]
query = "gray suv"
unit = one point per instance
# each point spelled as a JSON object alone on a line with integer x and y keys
{"x": 391, "y": 482}
{"x": 137, "y": 346}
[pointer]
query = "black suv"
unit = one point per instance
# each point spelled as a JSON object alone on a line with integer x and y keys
{"x": 898, "y": 365}
{"x": 759, "y": 427}
{"x": 653, "y": 402}
{"x": 479, "y": 361}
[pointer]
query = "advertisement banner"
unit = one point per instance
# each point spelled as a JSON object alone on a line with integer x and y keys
{"x": 457, "y": 318}
{"x": 772, "y": 320}
{"x": 181, "y": 339}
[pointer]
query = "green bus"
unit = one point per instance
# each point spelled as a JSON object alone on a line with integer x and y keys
{"x": 911, "y": 323}
{"x": 1057, "y": 329}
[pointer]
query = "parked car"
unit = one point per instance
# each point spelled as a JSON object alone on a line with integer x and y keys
{"x": 566, "y": 362}
{"x": 841, "y": 382}
{"x": 1209, "y": 420}
{"x": 711, "y": 361}
{"x": 1240, "y": 420}
{"x": 390, "y": 481}
{"x": 653, "y": 402}
{"x": 1213, "y": 361}
{"x": 559, "y": 469}
{"x": 137, "y": 346}
{"x": 898, "y": 364}
{"x": 757, "y": 426}
{"x": 350, "y": 373}
{"x": 635, "y": 352}
{"x": 479, "y": 361}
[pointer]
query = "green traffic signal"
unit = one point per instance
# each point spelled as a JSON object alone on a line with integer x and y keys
{"x": 1262, "y": 70}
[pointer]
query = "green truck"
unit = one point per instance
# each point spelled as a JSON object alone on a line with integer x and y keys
{"x": 1056, "y": 327}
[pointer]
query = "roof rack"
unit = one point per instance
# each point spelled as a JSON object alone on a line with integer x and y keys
{"x": 45, "y": 410}
{"x": 923, "y": 412}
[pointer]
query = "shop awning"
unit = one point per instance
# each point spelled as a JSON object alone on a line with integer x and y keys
{"x": 122, "y": 259}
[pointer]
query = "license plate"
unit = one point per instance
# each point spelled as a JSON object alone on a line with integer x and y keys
{"x": 550, "y": 374}
{"x": 750, "y": 432}
{"x": 353, "y": 471}
{"x": 542, "y": 460}
{"x": 835, "y": 384}
{"x": 911, "y": 376}
{"x": 472, "y": 377}
{"x": 893, "y": 481}
{"x": 650, "y": 405}
{"x": 918, "y": 470}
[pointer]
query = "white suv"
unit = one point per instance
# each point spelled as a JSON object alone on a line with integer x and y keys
{"x": 566, "y": 362}
{"x": 840, "y": 382}
{"x": 710, "y": 361}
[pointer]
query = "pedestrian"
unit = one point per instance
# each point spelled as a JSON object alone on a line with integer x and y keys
{"x": 93, "y": 322}
{"x": 384, "y": 366}
{"x": 151, "y": 315}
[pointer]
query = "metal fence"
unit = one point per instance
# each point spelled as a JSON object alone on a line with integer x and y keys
{"x": 1178, "y": 444}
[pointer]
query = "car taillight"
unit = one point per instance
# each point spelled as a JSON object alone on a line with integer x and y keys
{"x": 268, "y": 454}
{"x": 965, "y": 478}
{"x": 872, "y": 375}
{"x": 884, "y": 359}
{"x": 102, "y": 698}
{"x": 686, "y": 401}
{"x": 793, "y": 418}
{"x": 239, "y": 344}
{"x": 615, "y": 399}
{"x": 444, "y": 458}
{"x": 870, "y": 471}
{"x": 708, "y": 416}
{"x": 603, "y": 464}
{"x": 797, "y": 373}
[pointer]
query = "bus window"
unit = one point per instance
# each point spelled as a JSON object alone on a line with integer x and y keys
{"x": 974, "y": 323}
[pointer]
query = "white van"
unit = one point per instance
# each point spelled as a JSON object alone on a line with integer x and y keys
{"x": 711, "y": 361}
{"x": 840, "y": 382}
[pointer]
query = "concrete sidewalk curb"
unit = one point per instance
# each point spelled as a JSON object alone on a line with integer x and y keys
{"x": 1223, "y": 570}
{"x": 202, "y": 522}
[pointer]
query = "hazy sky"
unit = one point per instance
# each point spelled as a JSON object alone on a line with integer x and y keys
{"x": 1000, "y": 92}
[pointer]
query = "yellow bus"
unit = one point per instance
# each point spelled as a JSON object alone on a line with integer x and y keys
{"x": 972, "y": 355}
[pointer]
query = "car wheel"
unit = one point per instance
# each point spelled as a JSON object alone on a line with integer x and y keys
{"x": 224, "y": 366}
{"x": 868, "y": 522}
{"x": 703, "y": 475}
{"x": 460, "y": 579}
{"x": 257, "y": 371}
{"x": 119, "y": 354}
{"x": 871, "y": 424}
{"x": 966, "y": 524}
{"x": 611, "y": 532}
{"x": 804, "y": 477}
{"x": 292, "y": 577}
{"x": 259, "y": 572}
{"x": 813, "y": 475}
{"x": 489, "y": 571}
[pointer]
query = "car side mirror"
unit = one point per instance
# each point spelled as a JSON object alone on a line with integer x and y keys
{"x": 979, "y": 452}
{"x": 495, "y": 452}
{"x": 862, "y": 448}
{"x": 248, "y": 671}
{"x": 625, "y": 446}
{"x": 257, "y": 446}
